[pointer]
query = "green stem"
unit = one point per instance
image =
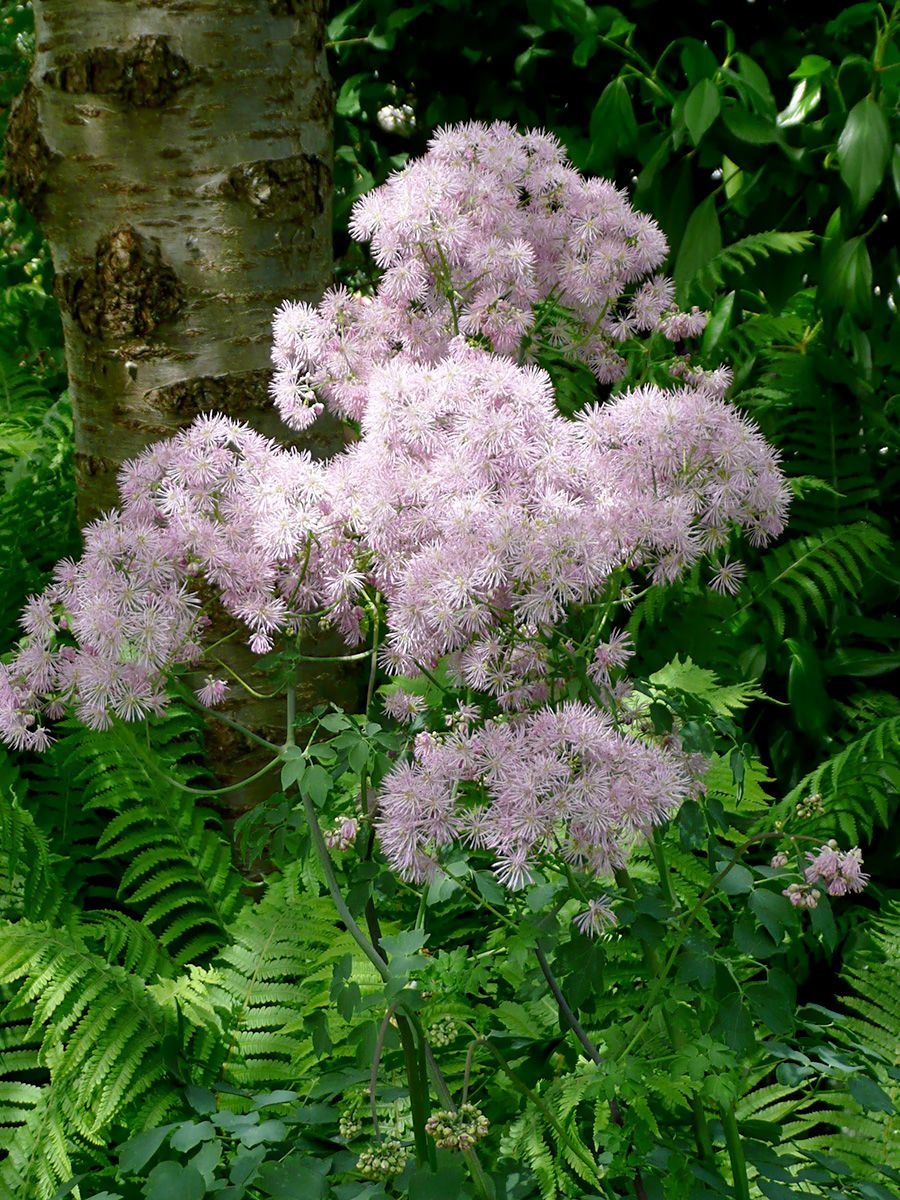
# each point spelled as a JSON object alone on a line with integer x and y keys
{"x": 373, "y": 670}
{"x": 222, "y": 791}
{"x": 185, "y": 694}
{"x": 735, "y": 1153}
{"x": 674, "y": 1028}
{"x": 418, "y": 1090}
{"x": 291, "y": 717}
{"x": 334, "y": 891}
{"x": 579, "y": 1151}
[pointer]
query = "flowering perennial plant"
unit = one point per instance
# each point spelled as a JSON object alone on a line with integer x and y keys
{"x": 481, "y": 539}
{"x": 477, "y": 513}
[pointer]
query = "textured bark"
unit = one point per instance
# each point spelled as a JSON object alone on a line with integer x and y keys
{"x": 178, "y": 156}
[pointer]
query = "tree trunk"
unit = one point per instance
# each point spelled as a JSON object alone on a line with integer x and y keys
{"x": 178, "y": 157}
{"x": 177, "y": 154}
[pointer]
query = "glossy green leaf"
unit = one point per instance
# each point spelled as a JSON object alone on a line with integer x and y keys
{"x": 697, "y": 61}
{"x": 806, "y": 687}
{"x": 846, "y": 282}
{"x": 755, "y": 84}
{"x": 863, "y": 150}
{"x": 805, "y": 98}
{"x": 895, "y": 170}
{"x": 613, "y": 128}
{"x": 701, "y": 242}
{"x": 701, "y": 109}
{"x": 810, "y": 65}
{"x": 749, "y": 127}
{"x": 718, "y": 324}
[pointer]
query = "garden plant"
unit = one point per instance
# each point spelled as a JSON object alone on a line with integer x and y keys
{"x": 591, "y": 892}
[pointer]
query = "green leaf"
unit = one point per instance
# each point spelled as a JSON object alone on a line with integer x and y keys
{"x": 749, "y": 127}
{"x": 738, "y": 880}
{"x": 297, "y": 1178}
{"x": 171, "y": 1181}
{"x": 718, "y": 324}
{"x": 865, "y": 1091}
{"x": 862, "y": 663}
{"x": 806, "y": 96}
{"x": 137, "y": 1152}
{"x": 316, "y": 783}
{"x": 698, "y": 61}
{"x": 701, "y": 242}
{"x": 806, "y": 687}
{"x": 334, "y": 722}
{"x": 189, "y": 1135}
{"x": 447, "y": 1181}
{"x": 733, "y": 1023}
{"x": 810, "y": 66}
{"x": 846, "y": 282}
{"x": 701, "y": 109}
{"x": 291, "y": 772}
{"x": 773, "y": 911}
{"x": 895, "y": 170}
{"x": 755, "y": 85}
{"x": 863, "y": 150}
{"x": 613, "y": 128}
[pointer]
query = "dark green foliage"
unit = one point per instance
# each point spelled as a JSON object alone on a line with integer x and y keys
{"x": 170, "y": 1028}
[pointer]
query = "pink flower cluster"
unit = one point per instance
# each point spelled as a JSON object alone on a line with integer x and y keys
{"x": 554, "y": 780}
{"x": 477, "y": 511}
{"x": 839, "y": 872}
{"x": 493, "y": 236}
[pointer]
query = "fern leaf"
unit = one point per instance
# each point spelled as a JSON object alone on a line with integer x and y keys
{"x": 858, "y": 785}
{"x": 175, "y": 869}
{"x": 746, "y": 252}
{"x": 801, "y": 576}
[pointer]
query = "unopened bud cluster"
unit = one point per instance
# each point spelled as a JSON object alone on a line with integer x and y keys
{"x": 349, "y": 1125}
{"x": 442, "y": 1033}
{"x": 811, "y": 806}
{"x": 382, "y": 1162}
{"x": 458, "y": 1130}
{"x": 802, "y": 895}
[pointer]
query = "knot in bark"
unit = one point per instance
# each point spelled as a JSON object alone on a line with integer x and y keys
{"x": 129, "y": 290}
{"x": 146, "y": 74}
{"x": 284, "y": 187}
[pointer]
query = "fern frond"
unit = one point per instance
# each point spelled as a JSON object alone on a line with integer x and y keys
{"x": 268, "y": 980}
{"x": 100, "y": 1031}
{"x": 746, "y": 252}
{"x": 174, "y": 868}
{"x": 29, "y": 885}
{"x": 858, "y": 785}
{"x": 802, "y": 576}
